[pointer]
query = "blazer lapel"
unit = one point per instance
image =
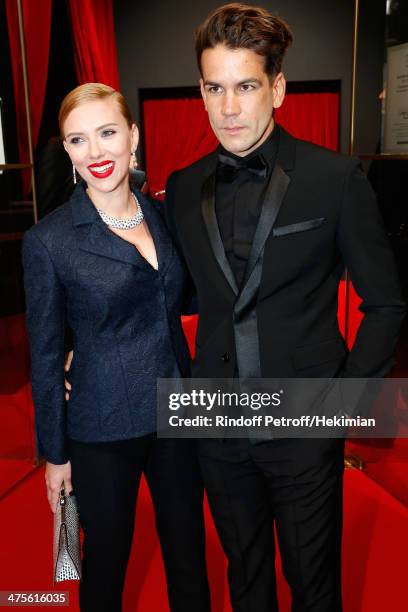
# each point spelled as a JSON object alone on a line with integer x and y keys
{"x": 245, "y": 316}
{"x": 98, "y": 239}
{"x": 210, "y": 219}
{"x": 161, "y": 238}
{"x": 274, "y": 195}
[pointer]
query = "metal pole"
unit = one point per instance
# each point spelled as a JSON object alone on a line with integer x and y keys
{"x": 352, "y": 461}
{"x": 27, "y": 104}
{"x": 351, "y": 148}
{"x": 354, "y": 77}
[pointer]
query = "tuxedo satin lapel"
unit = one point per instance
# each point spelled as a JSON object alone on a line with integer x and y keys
{"x": 210, "y": 219}
{"x": 275, "y": 192}
{"x": 245, "y": 317}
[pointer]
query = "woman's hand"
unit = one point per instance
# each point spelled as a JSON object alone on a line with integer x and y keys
{"x": 55, "y": 475}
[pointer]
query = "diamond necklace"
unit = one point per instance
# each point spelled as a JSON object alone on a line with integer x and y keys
{"x": 123, "y": 224}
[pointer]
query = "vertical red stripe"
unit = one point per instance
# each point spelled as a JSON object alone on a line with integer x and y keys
{"x": 94, "y": 43}
{"x": 37, "y": 27}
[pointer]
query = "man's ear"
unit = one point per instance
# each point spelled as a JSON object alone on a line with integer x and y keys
{"x": 203, "y": 93}
{"x": 279, "y": 90}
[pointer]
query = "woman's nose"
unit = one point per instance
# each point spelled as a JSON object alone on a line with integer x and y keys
{"x": 95, "y": 148}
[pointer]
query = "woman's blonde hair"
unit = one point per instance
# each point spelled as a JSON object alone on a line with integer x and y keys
{"x": 88, "y": 93}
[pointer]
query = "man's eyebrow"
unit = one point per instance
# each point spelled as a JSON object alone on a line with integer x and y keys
{"x": 101, "y": 127}
{"x": 212, "y": 83}
{"x": 250, "y": 80}
{"x": 243, "y": 82}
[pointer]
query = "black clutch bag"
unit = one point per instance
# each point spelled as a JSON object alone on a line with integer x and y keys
{"x": 67, "y": 546}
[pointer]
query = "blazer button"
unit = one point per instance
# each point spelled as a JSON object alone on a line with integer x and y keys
{"x": 225, "y": 357}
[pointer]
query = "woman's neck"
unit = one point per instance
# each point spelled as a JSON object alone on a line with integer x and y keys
{"x": 117, "y": 203}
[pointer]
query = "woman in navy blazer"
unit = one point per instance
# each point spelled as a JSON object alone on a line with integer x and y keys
{"x": 104, "y": 265}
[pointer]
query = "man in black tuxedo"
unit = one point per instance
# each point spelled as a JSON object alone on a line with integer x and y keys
{"x": 267, "y": 224}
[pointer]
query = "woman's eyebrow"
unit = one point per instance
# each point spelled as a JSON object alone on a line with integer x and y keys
{"x": 101, "y": 127}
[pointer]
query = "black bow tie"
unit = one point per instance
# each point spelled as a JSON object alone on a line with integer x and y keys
{"x": 230, "y": 166}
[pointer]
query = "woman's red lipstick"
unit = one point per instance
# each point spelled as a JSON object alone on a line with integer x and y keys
{"x": 102, "y": 169}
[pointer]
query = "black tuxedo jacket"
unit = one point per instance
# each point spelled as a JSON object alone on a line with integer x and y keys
{"x": 319, "y": 215}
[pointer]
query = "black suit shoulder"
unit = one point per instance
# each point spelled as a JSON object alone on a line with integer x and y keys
{"x": 54, "y": 227}
{"x": 198, "y": 168}
{"x": 315, "y": 158}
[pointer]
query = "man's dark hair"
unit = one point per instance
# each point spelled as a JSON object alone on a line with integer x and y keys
{"x": 240, "y": 26}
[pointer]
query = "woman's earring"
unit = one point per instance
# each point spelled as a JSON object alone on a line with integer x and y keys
{"x": 134, "y": 162}
{"x": 74, "y": 178}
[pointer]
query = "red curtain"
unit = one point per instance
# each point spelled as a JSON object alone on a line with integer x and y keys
{"x": 94, "y": 41}
{"x": 177, "y": 132}
{"x": 94, "y": 46}
{"x": 37, "y": 26}
{"x": 311, "y": 116}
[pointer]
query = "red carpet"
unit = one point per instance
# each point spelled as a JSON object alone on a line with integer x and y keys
{"x": 375, "y": 545}
{"x": 375, "y": 530}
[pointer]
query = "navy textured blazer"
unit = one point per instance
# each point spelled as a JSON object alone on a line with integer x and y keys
{"x": 125, "y": 319}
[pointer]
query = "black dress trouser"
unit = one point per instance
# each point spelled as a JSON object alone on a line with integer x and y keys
{"x": 106, "y": 478}
{"x": 294, "y": 485}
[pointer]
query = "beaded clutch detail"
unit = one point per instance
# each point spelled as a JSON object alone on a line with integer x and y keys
{"x": 67, "y": 547}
